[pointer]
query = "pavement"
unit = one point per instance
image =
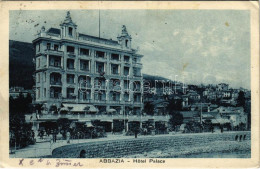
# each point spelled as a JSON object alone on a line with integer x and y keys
{"x": 44, "y": 147}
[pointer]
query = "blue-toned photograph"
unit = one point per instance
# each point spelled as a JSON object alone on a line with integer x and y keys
{"x": 129, "y": 84}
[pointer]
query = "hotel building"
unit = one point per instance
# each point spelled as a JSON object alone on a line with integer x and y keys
{"x": 84, "y": 78}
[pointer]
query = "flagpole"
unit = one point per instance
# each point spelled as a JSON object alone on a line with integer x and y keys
{"x": 99, "y": 23}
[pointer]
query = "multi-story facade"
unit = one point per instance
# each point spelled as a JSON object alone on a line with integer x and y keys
{"x": 83, "y": 74}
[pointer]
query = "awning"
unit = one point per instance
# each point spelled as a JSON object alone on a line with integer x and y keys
{"x": 219, "y": 121}
{"x": 89, "y": 124}
{"x": 81, "y": 107}
{"x": 111, "y": 110}
{"x": 92, "y": 108}
{"x": 64, "y": 109}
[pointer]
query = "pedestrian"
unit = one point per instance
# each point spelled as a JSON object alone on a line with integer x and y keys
{"x": 55, "y": 135}
{"x": 68, "y": 137}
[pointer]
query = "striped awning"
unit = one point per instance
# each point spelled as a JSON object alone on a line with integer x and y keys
{"x": 81, "y": 107}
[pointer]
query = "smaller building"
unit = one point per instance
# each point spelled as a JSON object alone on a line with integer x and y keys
{"x": 222, "y": 86}
{"x": 233, "y": 115}
{"x": 14, "y": 92}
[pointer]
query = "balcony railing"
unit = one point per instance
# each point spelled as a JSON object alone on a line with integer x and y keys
{"x": 100, "y": 87}
{"x": 56, "y": 83}
{"x": 138, "y": 64}
{"x": 137, "y": 75}
{"x": 54, "y": 52}
{"x": 72, "y": 54}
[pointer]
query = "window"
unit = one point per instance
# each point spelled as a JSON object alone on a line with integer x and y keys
{"x": 100, "y": 67}
{"x": 55, "y": 92}
{"x": 115, "y": 57}
{"x": 84, "y": 65}
{"x": 56, "y": 47}
{"x": 70, "y": 63}
{"x": 48, "y": 46}
{"x": 114, "y": 69}
{"x": 135, "y": 60}
{"x": 126, "y": 84}
{"x": 84, "y": 51}
{"x": 137, "y": 72}
{"x": 70, "y": 78}
{"x": 126, "y": 58}
{"x": 57, "y": 63}
{"x": 39, "y": 47}
{"x": 70, "y": 93}
{"x": 39, "y": 62}
{"x": 100, "y": 54}
{"x": 115, "y": 96}
{"x": 70, "y": 31}
{"x": 44, "y": 92}
{"x": 126, "y": 43}
{"x": 38, "y": 78}
{"x": 39, "y": 93}
{"x": 126, "y": 71}
{"x": 45, "y": 76}
{"x": 126, "y": 97}
{"x": 70, "y": 49}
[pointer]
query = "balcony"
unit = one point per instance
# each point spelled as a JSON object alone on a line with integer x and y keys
{"x": 71, "y": 54}
{"x": 100, "y": 87}
{"x": 101, "y": 59}
{"x": 53, "y": 52}
{"x": 85, "y": 85}
{"x": 137, "y": 102}
{"x": 114, "y": 101}
{"x": 99, "y": 101}
{"x": 56, "y": 83}
{"x": 136, "y": 64}
{"x": 115, "y": 74}
{"x": 85, "y": 69}
{"x": 137, "y": 75}
{"x": 115, "y": 61}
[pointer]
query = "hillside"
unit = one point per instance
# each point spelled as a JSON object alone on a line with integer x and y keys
{"x": 20, "y": 64}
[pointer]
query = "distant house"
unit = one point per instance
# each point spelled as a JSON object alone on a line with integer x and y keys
{"x": 232, "y": 115}
{"x": 14, "y": 92}
{"x": 193, "y": 95}
{"x": 222, "y": 86}
{"x": 160, "y": 106}
{"x": 190, "y": 116}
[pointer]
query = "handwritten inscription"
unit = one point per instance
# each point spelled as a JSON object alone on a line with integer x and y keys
{"x": 57, "y": 163}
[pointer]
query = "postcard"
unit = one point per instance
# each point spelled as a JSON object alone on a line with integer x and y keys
{"x": 129, "y": 84}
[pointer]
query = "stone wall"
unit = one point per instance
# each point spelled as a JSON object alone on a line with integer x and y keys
{"x": 124, "y": 147}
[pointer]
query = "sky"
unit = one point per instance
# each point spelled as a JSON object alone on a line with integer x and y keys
{"x": 192, "y": 46}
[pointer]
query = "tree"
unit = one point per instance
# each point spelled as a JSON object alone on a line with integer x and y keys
{"x": 39, "y": 108}
{"x": 149, "y": 108}
{"x": 176, "y": 119}
{"x": 64, "y": 125}
{"x": 174, "y": 105}
{"x": 241, "y": 99}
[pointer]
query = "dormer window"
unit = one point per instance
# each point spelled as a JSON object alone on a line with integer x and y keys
{"x": 126, "y": 43}
{"x": 48, "y": 46}
{"x": 70, "y": 31}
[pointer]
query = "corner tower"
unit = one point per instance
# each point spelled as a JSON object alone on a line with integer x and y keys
{"x": 124, "y": 39}
{"x": 68, "y": 28}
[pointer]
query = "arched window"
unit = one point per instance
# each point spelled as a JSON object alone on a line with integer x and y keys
{"x": 126, "y": 43}
{"x": 70, "y": 31}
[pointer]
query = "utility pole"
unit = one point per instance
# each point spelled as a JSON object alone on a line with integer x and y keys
{"x": 200, "y": 113}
